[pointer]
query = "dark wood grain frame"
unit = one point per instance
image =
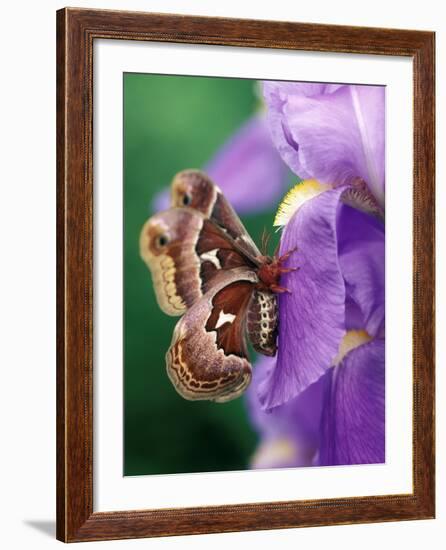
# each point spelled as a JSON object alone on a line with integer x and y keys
{"x": 76, "y": 31}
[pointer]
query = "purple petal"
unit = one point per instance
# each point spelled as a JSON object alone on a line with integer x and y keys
{"x": 275, "y": 95}
{"x": 161, "y": 201}
{"x": 248, "y": 169}
{"x": 353, "y": 420}
{"x": 334, "y": 134}
{"x": 289, "y": 435}
{"x": 361, "y": 246}
{"x": 311, "y": 316}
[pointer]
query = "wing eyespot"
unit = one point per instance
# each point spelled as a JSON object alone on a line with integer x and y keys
{"x": 186, "y": 199}
{"x": 161, "y": 241}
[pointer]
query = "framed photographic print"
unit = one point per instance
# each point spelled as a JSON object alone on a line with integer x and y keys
{"x": 245, "y": 275}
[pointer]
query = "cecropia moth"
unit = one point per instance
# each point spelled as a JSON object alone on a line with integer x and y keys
{"x": 206, "y": 267}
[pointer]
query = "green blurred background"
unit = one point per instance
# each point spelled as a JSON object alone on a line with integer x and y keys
{"x": 172, "y": 123}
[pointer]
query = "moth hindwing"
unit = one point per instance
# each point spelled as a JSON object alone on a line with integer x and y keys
{"x": 207, "y": 358}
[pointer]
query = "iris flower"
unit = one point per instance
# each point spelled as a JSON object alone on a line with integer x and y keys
{"x": 327, "y": 411}
{"x": 331, "y": 323}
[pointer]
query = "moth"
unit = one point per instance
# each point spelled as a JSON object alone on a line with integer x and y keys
{"x": 206, "y": 268}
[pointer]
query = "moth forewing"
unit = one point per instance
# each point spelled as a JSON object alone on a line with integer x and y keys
{"x": 184, "y": 250}
{"x": 194, "y": 189}
{"x": 167, "y": 245}
{"x": 225, "y": 216}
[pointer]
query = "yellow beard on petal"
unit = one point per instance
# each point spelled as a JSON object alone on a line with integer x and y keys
{"x": 296, "y": 197}
{"x": 351, "y": 340}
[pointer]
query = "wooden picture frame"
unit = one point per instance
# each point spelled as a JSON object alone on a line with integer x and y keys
{"x": 76, "y": 31}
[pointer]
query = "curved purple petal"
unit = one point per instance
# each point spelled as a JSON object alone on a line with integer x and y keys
{"x": 361, "y": 245}
{"x": 276, "y": 95}
{"x": 278, "y": 91}
{"x": 289, "y": 435}
{"x": 248, "y": 169}
{"x": 161, "y": 201}
{"x": 311, "y": 316}
{"x": 353, "y": 420}
{"x": 335, "y": 134}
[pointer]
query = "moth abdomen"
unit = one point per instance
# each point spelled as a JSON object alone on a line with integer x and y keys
{"x": 262, "y": 322}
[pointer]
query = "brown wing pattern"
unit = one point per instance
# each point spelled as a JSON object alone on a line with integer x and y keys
{"x": 184, "y": 251}
{"x": 195, "y": 189}
{"x": 225, "y": 216}
{"x": 217, "y": 252}
{"x": 227, "y": 317}
{"x": 167, "y": 245}
{"x": 207, "y": 358}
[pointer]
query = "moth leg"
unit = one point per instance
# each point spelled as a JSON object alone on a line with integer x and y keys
{"x": 285, "y": 256}
{"x": 280, "y": 289}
